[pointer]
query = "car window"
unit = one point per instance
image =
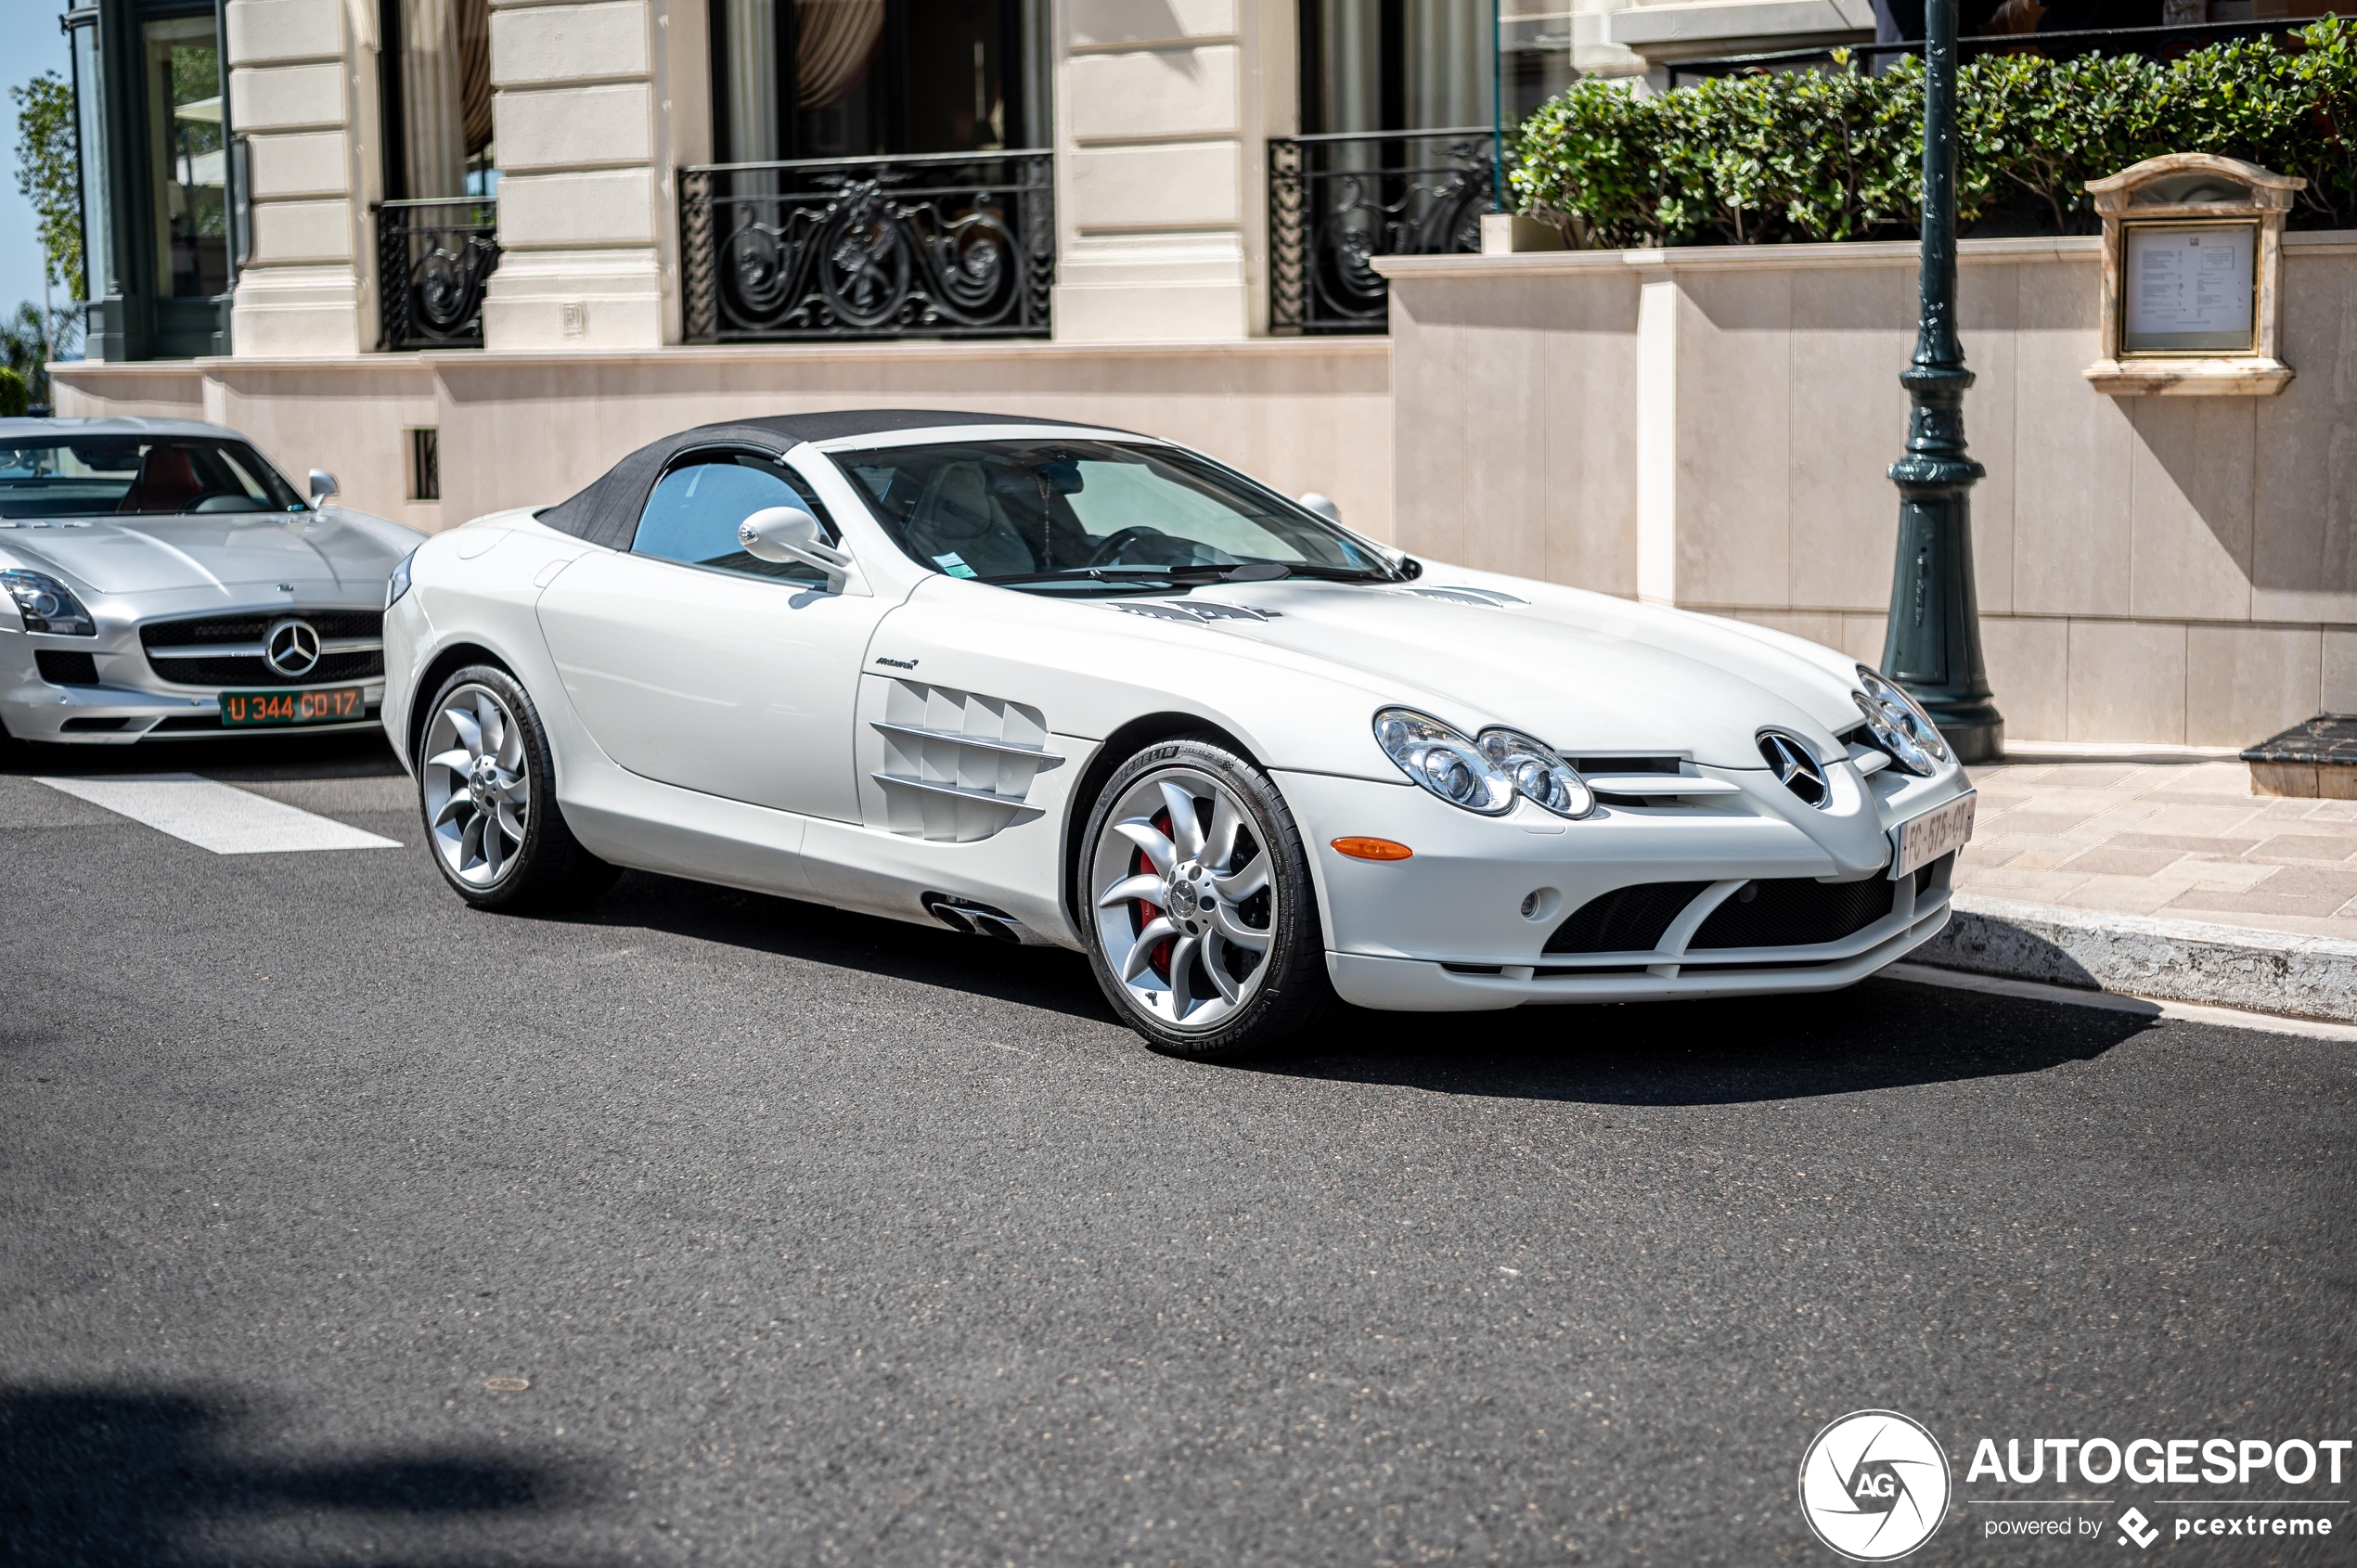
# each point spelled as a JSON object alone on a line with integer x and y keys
{"x": 693, "y": 514}
{"x": 1085, "y": 510}
{"x": 46, "y": 475}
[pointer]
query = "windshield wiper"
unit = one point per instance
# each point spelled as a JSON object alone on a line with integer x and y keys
{"x": 1197, "y": 576}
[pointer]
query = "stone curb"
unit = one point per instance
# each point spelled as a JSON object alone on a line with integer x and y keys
{"x": 2268, "y": 971}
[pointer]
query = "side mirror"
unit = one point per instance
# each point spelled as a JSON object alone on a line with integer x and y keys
{"x": 323, "y": 484}
{"x": 788, "y": 533}
{"x": 1323, "y": 506}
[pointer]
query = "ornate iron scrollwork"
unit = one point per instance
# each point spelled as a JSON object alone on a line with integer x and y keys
{"x": 433, "y": 258}
{"x": 1335, "y": 202}
{"x": 936, "y": 246}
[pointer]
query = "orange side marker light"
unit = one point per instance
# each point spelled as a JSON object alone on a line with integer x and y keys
{"x": 1372, "y": 849}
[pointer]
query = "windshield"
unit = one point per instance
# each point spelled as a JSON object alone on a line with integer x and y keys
{"x": 1095, "y": 516}
{"x": 87, "y": 475}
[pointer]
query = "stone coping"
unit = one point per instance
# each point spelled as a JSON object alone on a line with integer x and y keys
{"x": 671, "y": 355}
{"x": 1844, "y": 253}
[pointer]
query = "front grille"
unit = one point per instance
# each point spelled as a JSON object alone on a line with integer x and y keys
{"x": 60, "y": 668}
{"x": 251, "y": 669}
{"x": 253, "y": 626}
{"x": 1795, "y": 912}
{"x": 1629, "y": 919}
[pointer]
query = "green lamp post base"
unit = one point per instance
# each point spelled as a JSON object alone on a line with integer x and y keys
{"x": 1932, "y": 645}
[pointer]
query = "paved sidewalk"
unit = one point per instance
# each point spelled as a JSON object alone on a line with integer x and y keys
{"x": 2179, "y": 841}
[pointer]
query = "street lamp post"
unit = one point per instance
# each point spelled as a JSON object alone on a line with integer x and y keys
{"x": 1932, "y": 645}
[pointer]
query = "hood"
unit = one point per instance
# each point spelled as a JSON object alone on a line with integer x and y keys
{"x": 146, "y": 554}
{"x": 1587, "y": 675}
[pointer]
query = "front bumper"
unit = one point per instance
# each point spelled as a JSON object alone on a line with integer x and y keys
{"x": 1415, "y": 985}
{"x": 104, "y": 715}
{"x": 1468, "y": 920}
{"x": 130, "y": 701}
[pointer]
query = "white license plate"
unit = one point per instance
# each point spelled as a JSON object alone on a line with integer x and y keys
{"x": 1919, "y": 840}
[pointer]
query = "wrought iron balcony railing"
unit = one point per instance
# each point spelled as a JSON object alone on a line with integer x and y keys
{"x": 1337, "y": 201}
{"x": 433, "y": 259}
{"x": 935, "y": 245}
{"x": 2154, "y": 43}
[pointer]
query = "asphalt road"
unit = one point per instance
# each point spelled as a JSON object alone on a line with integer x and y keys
{"x": 822, "y": 1239}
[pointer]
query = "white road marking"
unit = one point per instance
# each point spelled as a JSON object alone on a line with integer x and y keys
{"x": 2143, "y": 1007}
{"x": 215, "y": 817}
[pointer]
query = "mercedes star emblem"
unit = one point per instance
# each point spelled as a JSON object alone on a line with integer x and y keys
{"x": 1795, "y": 769}
{"x": 291, "y": 649}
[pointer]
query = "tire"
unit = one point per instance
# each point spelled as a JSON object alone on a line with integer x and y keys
{"x": 489, "y": 800}
{"x": 1142, "y": 865}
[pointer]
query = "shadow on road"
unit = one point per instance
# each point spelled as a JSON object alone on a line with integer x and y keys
{"x": 1882, "y": 1035}
{"x": 1047, "y": 978}
{"x": 91, "y": 1477}
{"x": 347, "y": 755}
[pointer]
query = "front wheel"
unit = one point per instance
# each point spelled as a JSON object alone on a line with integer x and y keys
{"x": 487, "y": 788}
{"x": 1196, "y": 898}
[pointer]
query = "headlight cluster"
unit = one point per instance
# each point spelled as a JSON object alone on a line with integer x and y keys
{"x": 1899, "y": 726}
{"x": 1483, "y": 775}
{"x": 398, "y": 584}
{"x": 49, "y": 605}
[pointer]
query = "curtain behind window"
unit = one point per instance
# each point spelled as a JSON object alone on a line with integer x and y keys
{"x": 445, "y": 92}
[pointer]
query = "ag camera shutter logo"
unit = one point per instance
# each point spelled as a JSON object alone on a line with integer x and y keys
{"x": 1873, "y": 1485}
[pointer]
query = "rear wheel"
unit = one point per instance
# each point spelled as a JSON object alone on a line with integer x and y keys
{"x": 488, "y": 792}
{"x": 1196, "y": 897}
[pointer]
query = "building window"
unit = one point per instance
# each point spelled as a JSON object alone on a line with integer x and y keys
{"x": 1395, "y": 65}
{"x": 436, "y": 92}
{"x": 799, "y": 79}
{"x": 425, "y": 464}
{"x": 187, "y": 158}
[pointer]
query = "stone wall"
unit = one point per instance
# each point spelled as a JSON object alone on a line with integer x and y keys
{"x": 521, "y": 430}
{"x": 1711, "y": 427}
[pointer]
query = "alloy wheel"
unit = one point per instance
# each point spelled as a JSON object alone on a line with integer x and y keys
{"x": 478, "y": 789}
{"x": 1185, "y": 903}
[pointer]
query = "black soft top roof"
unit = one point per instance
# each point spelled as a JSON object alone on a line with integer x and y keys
{"x": 607, "y": 512}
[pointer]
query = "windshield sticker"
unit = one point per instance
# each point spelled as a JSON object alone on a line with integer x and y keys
{"x": 953, "y": 564}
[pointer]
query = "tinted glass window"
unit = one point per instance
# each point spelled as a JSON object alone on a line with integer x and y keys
{"x": 1082, "y": 508}
{"x": 82, "y": 476}
{"x": 693, "y": 514}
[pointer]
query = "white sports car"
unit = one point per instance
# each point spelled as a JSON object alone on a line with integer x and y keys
{"x": 1056, "y": 684}
{"x": 159, "y": 580}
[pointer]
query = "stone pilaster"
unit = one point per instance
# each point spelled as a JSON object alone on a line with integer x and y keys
{"x": 301, "y": 91}
{"x": 1160, "y": 113}
{"x": 584, "y": 136}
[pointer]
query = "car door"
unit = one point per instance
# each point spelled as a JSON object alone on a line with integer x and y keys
{"x": 692, "y": 663}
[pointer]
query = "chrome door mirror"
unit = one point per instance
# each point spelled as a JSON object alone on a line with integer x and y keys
{"x": 1323, "y": 506}
{"x": 788, "y": 533}
{"x": 323, "y": 484}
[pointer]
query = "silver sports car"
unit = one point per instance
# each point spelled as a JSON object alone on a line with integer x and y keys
{"x": 162, "y": 581}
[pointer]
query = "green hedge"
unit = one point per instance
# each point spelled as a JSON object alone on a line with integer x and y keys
{"x": 1803, "y": 155}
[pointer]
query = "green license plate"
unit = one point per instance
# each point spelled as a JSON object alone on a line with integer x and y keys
{"x": 338, "y": 704}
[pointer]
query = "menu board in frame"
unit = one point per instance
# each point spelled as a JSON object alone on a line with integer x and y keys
{"x": 2190, "y": 288}
{"x": 2192, "y": 277}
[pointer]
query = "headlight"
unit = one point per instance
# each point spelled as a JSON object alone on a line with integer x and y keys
{"x": 1903, "y": 729}
{"x": 1444, "y": 761}
{"x": 49, "y": 605}
{"x": 398, "y": 584}
{"x": 1537, "y": 773}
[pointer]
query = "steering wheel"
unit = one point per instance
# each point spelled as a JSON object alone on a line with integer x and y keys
{"x": 1110, "y": 551}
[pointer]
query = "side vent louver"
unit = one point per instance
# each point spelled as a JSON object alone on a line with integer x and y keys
{"x": 957, "y": 766}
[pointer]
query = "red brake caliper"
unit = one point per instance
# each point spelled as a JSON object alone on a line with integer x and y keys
{"x": 1147, "y": 913}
